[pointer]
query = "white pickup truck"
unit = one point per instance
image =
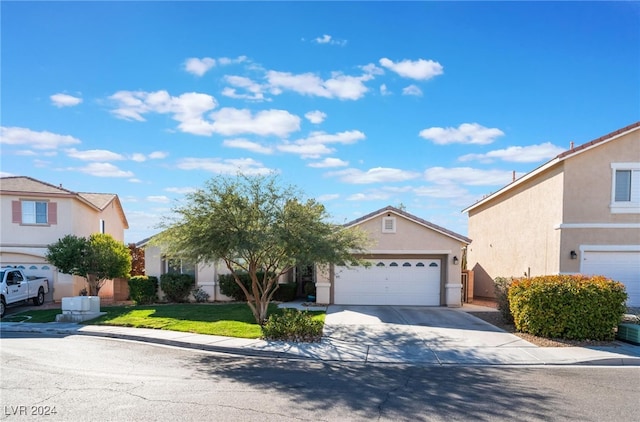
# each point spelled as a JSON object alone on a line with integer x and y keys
{"x": 16, "y": 287}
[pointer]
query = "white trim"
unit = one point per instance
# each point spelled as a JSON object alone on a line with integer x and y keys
{"x": 609, "y": 248}
{"x": 392, "y": 220}
{"x": 409, "y": 252}
{"x": 623, "y": 207}
{"x": 597, "y": 226}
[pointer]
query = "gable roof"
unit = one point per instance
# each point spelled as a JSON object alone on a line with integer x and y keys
{"x": 411, "y": 217}
{"x": 28, "y": 185}
{"x": 570, "y": 153}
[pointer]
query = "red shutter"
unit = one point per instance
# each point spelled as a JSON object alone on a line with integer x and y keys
{"x": 53, "y": 213}
{"x": 16, "y": 211}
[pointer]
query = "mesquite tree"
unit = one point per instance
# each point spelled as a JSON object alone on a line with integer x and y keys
{"x": 255, "y": 225}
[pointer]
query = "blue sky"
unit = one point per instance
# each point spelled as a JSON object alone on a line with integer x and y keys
{"x": 360, "y": 105}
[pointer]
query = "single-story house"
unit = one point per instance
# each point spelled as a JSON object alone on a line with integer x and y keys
{"x": 413, "y": 262}
{"x": 577, "y": 213}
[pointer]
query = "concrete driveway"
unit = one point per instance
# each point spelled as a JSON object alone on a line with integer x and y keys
{"x": 422, "y": 334}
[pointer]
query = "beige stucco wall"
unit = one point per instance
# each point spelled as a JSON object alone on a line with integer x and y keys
{"x": 410, "y": 239}
{"x": 514, "y": 234}
{"x": 588, "y": 181}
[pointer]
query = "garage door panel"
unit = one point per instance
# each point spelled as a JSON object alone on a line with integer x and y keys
{"x": 403, "y": 284}
{"x": 622, "y": 266}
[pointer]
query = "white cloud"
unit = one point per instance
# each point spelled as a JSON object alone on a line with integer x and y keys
{"x": 181, "y": 191}
{"x": 65, "y": 100}
{"x": 94, "y": 155}
{"x": 224, "y": 61}
{"x": 517, "y": 154}
{"x": 306, "y": 150}
{"x": 412, "y": 90}
{"x": 371, "y": 69}
{"x": 419, "y": 69}
{"x": 445, "y": 191}
{"x": 374, "y": 175}
{"x": 161, "y": 199}
{"x": 466, "y": 133}
{"x": 338, "y": 86}
{"x": 187, "y": 108}
{"x": 232, "y": 121}
{"x": 247, "y": 145}
{"x": 6, "y": 174}
{"x": 256, "y": 90}
{"x": 329, "y": 162}
{"x": 369, "y": 196}
{"x": 320, "y": 137}
{"x": 328, "y": 197}
{"x": 316, "y": 116}
{"x": 228, "y": 166}
{"x": 199, "y": 67}
{"x": 104, "y": 170}
{"x": 138, "y": 157}
{"x": 328, "y": 39}
{"x": 467, "y": 176}
{"x": 158, "y": 155}
{"x": 36, "y": 140}
{"x": 384, "y": 90}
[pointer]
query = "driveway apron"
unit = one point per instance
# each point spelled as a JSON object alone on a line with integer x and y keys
{"x": 420, "y": 334}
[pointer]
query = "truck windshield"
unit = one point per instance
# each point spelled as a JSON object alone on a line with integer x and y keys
{"x": 1, "y": 275}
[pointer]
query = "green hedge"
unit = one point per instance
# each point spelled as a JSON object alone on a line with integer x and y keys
{"x": 143, "y": 289}
{"x": 177, "y": 287}
{"x": 567, "y": 306}
{"x": 229, "y": 287}
{"x": 501, "y": 288}
{"x": 292, "y": 325}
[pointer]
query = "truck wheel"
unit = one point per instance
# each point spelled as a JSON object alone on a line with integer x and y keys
{"x": 39, "y": 300}
{"x": 2, "y": 307}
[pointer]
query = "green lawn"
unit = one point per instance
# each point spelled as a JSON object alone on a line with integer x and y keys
{"x": 231, "y": 320}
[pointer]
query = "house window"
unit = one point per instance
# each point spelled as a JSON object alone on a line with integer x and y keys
{"x": 388, "y": 224}
{"x": 625, "y": 189}
{"x": 180, "y": 266}
{"x": 34, "y": 212}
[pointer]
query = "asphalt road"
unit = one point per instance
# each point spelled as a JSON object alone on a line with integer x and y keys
{"x": 85, "y": 378}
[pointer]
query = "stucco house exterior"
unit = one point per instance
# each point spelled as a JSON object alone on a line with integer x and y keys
{"x": 577, "y": 213}
{"x": 36, "y": 214}
{"x": 413, "y": 262}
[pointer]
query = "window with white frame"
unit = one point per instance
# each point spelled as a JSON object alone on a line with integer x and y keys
{"x": 34, "y": 212}
{"x": 179, "y": 266}
{"x": 625, "y": 188}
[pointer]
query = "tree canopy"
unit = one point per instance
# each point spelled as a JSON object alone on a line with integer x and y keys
{"x": 97, "y": 259}
{"x": 254, "y": 225}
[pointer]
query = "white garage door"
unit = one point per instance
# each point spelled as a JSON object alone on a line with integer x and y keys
{"x": 619, "y": 266}
{"x": 389, "y": 282}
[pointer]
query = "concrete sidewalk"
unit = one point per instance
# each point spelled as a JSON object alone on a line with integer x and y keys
{"x": 455, "y": 351}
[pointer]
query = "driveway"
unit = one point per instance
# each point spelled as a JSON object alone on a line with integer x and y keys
{"x": 413, "y": 333}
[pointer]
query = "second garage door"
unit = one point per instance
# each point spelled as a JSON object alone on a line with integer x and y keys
{"x": 389, "y": 282}
{"x": 622, "y": 266}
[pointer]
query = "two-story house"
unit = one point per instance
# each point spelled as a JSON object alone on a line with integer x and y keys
{"x": 36, "y": 214}
{"x": 578, "y": 213}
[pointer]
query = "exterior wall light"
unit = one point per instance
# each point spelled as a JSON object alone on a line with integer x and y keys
{"x": 455, "y": 260}
{"x": 573, "y": 255}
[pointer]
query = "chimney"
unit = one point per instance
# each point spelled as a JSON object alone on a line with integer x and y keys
{"x": 571, "y": 145}
{"x": 513, "y": 176}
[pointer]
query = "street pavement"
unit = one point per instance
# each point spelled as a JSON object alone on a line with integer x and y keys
{"x": 377, "y": 334}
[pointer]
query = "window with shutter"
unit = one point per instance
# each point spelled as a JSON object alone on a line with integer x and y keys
{"x": 34, "y": 212}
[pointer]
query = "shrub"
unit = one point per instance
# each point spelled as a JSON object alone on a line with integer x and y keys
{"x": 176, "y": 287}
{"x": 229, "y": 287}
{"x": 292, "y": 325}
{"x": 143, "y": 290}
{"x": 572, "y": 307}
{"x": 501, "y": 288}
{"x": 200, "y": 295}
{"x": 286, "y": 292}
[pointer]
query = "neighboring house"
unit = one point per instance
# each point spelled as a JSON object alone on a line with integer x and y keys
{"x": 36, "y": 214}
{"x": 414, "y": 262}
{"x": 578, "y": 213}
